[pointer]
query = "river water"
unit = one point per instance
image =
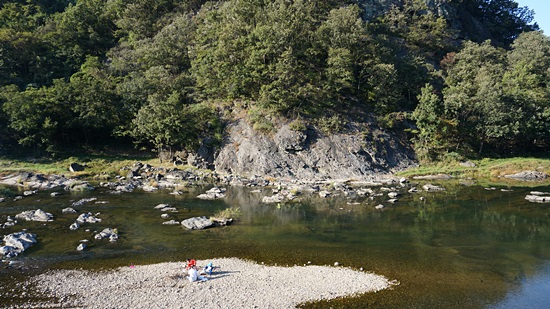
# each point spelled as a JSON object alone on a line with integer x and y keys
{"x": 466, "y": 247}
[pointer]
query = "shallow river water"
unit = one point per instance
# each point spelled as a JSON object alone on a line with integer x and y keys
{"x": 466, "y": 247}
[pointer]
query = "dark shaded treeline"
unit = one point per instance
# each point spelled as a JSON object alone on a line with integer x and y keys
{"x": 170, "y": 73}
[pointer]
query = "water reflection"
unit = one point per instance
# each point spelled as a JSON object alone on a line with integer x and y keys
{"x": 532, "y": 293}
{"x": 466, "y": 247}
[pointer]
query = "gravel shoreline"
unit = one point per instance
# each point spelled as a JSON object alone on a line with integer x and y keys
{"x": 236, "y": 284}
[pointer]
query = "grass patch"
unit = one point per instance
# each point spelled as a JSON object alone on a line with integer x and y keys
{"x": 229, "y": 213}
{"x": 94, "y": 164}
{"x": 487, "y": 169}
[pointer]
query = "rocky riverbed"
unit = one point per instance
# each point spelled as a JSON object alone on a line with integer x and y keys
{"x": 234, "y": 284}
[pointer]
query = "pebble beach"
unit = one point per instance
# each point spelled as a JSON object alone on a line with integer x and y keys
{"x": 235, "y": 284}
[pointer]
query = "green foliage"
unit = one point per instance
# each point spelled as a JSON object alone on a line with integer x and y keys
{"x": 298, "y": 124}
{"x": 83, "y": 72}
{"x": 6, "y": 192}
{"x": 260, "y": 120}
{"x": 36, "y": 114}
{"x": 332, "y": 124}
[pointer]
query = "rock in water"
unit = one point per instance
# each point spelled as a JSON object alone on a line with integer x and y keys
{"x": 16, "y": 243}
{"x": 35, "y": 215}
{"x": 197, "y": 223}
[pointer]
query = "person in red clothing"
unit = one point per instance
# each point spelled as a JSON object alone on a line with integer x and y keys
{"x": 191, "y": 263}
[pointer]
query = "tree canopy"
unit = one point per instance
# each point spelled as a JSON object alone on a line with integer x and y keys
{"x": 471, "y": 75}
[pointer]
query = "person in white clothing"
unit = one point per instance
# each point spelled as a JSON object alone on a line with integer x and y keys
{"x": 193, "y": 274}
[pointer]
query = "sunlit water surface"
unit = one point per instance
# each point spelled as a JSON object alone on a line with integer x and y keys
{"x": 467, "y": 247}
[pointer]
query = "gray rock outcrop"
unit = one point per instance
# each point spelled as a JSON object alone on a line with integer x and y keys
{"x": 528, "y": 175}
{"x": 311, "y": 154}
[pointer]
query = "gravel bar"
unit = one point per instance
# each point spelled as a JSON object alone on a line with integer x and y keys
{"x": 235, "y": 284}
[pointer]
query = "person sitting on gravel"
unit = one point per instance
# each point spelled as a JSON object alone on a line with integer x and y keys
{"x": 193, "y": 274}
{"x": 208, "y": 269}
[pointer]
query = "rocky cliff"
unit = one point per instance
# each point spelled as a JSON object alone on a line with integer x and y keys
{"x": 361, "y": 151}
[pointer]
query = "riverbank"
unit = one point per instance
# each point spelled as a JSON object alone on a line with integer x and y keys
{"x": 236, "y": 284}
{"x": 107, "y": 168}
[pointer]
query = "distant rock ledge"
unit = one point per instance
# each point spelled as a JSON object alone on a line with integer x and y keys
{"x": 528, "y": 176}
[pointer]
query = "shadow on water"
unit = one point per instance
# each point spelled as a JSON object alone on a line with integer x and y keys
{"x": 466, "y": 247}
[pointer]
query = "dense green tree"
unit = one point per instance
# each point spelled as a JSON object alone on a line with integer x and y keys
{"x": 170, "y": 122}
{"x": 37, "y": 115}
{"x": 94, "y": 102}
{"x": 473, "y": 96}
{"x": 527, "y": 85}
{"x": 83, "y": 29}
{"x": 429, "y": 118}
{"x": 505, "y": 19}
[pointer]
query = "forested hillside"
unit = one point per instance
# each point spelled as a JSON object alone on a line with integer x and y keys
{"x": 461, "y": 78}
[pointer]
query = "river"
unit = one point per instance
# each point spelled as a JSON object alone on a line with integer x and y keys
{"x": 466, "y": 247}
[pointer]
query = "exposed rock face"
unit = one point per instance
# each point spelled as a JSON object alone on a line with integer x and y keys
{"x": 310, "y": 154}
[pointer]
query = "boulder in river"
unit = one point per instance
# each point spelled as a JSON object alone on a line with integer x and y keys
{"x": 35, "y": 215}
{"x": 197, "y": 223}
{"x": 212, "y": 194}
{"x": 538, "y": 198}
{"x": 16, "y": 243}
{"x": 88, "y": 218}
{"x": 112, "y": 234}
{"x": 68, "y": 210}
{"x": 74, "y": 226}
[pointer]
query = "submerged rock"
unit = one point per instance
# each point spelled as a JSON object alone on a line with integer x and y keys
{"x": 83, "y": 201}
{"x": 35, "y": 215}
{"x": 430, "y": 188}
{"x": 171, "y": 222}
